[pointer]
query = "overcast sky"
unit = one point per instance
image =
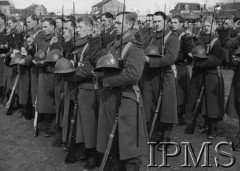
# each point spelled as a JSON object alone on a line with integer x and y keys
{"x": 143, "y": 6}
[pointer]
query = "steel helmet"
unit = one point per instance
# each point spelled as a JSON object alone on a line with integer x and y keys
{"x": 39, "y": 56}
{"x": 63, "y": 66}
{"x": 237, "y": 52}
{"x": 16, "y": 59}
{"x": 152, "y": 51}
{"x": 199, "y": 52}
{"x": 107, "y": 62}
{"x": 54, "y": 55}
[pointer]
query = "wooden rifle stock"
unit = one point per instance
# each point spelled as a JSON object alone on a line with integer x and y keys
{"x": 71, "y": 144}
{"x": 35, "y": 122}
{"x": 12, "y": 92}
{"x": 109, "y": 145}
{"x": 191, "y": 126}
{"x": 58, "y": 131}
{"x": 156, "y": 114}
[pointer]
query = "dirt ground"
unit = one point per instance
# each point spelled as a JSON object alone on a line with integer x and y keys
{"x": 21, "y": 151}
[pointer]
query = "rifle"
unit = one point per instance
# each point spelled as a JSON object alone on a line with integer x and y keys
{"x": 71, "y": 145}
{"x": 158, "y": 106}
{"x": 35, "y": 122}
{"x": 109, "y": 145}
{"x": 190, "y": 128}
{"x": 113, "y": 131}
{"x": 29, "y": 106}
{"x": 58, "y": 130}
{"x": 12, "y": 92}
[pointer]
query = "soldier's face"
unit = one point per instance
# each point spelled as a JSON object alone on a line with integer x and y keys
{"x": 47, "y": 28}
{"x": 175, "y": 24}
{"x": 68, "y": 30}
{"x": 207, "y": 27}
{"x": 118, "y": 25}
{"x": 58, "y": 23}
{"x": 106, "y": 22}
{"x": 11, "y": 24}
{"x": 31, "y": 23}
{"x": 83, "y": 29}
{"x": 158, "y": 22}
{"x": 227, "y": 23}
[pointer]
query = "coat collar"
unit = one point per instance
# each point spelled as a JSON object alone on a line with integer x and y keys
{"x": 128, "y": 38}
{"x": 81, "y": 41}
{"x": 49, "y": 37}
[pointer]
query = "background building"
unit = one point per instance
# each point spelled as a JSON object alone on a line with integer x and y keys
{"x": 5, "y": 7}
{"x": 112, "y": 6}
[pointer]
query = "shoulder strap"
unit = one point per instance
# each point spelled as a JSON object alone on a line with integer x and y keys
{"x": 167, "y": 36}
{"x": 213, "y": 42}
{"x": 84, "y": 49}
{"x": 35, "y": 34}
{"x": 125, "y": 49}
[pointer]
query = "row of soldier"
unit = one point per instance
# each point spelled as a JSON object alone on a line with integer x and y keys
{"x": 85, "y": 74}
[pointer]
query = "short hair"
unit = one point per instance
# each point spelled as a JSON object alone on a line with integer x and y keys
{"x": 179, "y": 17}
{"x": 59, "y": 18}
{"x": 85, "y": 19}
{"x": 13, "y": 19}
{"x": 129, "y": 17}
{"x": 71, "y": 19}
{"x": 149, "y": 15}
{"x": 160, "y": 13}
{"x": 3, "y": 16}
{"x": 108, "y": 15}
{"x": 50, "y": 21}
{"x": 209, "y": 19}
{"x": 33, "y": 17}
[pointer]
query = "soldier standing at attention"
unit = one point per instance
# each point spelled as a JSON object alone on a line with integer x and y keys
{"x": 108, "y": 34}
{"x": 182, "y": 62}
{"x": 87, "y": 53}
{"x": 3, "y": 50}
{"x": 45, "y": 84}
{"x": 120, "y": 96}
{"x": 158, "y": 73}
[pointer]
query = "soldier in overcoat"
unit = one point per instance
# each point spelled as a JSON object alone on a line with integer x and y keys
{"x": 62, "y": 92}
{"x": 15, "y": 42}
{"x": 118, "y": 97}
{"x": 27, "y": 51}
{"x": 108, "y": 34}
{"x": 208, "y": 72}
{"x": 182, "y": 62}
{"x": 158, "y": 73}
{"x": 87, "y": 54}
{"x": 33, "y": 40}
{"x": 233, "y": 102}
{"x": 3, "y": 50}
{"x": 45, "y": 72}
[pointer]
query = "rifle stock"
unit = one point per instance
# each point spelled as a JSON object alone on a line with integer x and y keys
{"x": 109, "y": 145}
{"x": 190, "y": 128}
{"x": 35, "y": 122}
{"x": 156, "y": 114}
{"x": 12, "y": 92}
{"x": 58, "y": 131}
{"x": 71, "y": 152}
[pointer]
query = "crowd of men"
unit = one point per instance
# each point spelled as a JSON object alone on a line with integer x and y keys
{"x": 84, "y": 81}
